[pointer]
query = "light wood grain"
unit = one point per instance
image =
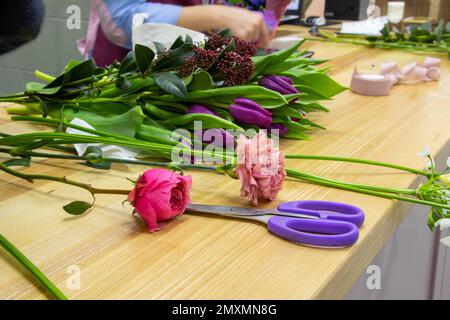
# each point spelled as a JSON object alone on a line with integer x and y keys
{"x": 203, "y": 257}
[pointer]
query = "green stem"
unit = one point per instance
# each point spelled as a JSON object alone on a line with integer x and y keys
{"x": 35, "y": 154}
{"x": 31, "y": 177}
{"x": 13, "y": 96}
{"x": 44, "y": 76}
{"x": 362, "y": 161}
{"x": 412, "y": 192}
{"x": 295, "y": 174}
{"x": 65, "y": 138}
{"x": 37, "y": 274}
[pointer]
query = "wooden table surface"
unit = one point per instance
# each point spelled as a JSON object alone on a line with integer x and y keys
{"x": 201, "y": 257}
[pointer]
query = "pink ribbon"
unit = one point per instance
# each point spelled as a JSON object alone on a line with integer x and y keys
{"x": 390, "y": 75}
{"x": 429, "y": 70}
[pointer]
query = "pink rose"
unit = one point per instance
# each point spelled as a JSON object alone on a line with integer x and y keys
{"x": 260, "y": 168}
{"x": 160, "y": 195}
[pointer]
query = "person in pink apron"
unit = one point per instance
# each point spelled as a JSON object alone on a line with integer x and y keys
{"x": 110, "y": 23}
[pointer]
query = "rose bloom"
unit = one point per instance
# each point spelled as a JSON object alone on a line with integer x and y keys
{"x": 160, "y": 195}
{"x": 260, "y": 168}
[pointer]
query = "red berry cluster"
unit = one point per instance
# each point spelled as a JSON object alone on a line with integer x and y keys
{"x": 205, "y": 57}
{"x": 217, "y": 42}
{"x": 188, "y": 67}
{"x": 236, "y": 69}
{"x": 245, "y": 48}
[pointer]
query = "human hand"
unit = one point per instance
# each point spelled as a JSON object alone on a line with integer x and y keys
{"x": 244, "y": 24}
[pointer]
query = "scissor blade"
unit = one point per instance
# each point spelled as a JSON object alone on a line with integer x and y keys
{"x": 242, "y": 211}
{"x": 228, "y": 210}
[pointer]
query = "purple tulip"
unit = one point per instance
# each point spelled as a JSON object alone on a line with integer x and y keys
{"x": 211, "y": 136}
{"x": 198, "y": 108}
{"x": 248, "y": 112}
{"x": 281, "y": 84}
{"x": 282, "y": 130}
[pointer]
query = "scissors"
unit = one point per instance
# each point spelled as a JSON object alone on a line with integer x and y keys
{"x": 313, "y": 223}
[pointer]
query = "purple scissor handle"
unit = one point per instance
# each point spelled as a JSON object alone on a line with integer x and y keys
{"x": 325, "y": 210}
{"x": 336, "y": 224}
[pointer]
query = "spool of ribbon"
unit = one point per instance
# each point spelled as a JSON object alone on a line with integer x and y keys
{"x": 380, "y": 84}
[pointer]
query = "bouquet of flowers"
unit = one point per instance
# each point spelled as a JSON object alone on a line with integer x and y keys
{"x": 221, "y": 82}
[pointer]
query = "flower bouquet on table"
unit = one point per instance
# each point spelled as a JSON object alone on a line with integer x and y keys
{"x": 149, "y": 94}
{"x": 140, "y": 103}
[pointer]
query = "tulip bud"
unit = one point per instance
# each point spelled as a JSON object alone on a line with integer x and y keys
{"x": 248, "y": 112}
{"x": 281, "y": 84}
{"x": 217, "y": 137}
{"x": 282, "y": 130}
{"x": 198, "y": 108}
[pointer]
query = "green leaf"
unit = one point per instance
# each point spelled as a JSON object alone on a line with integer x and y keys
{"x": 144, "y": 57}
{"x": 321, "y": 83}
{"x": 39, "y": 88}
{"x": 71, "y": 64}
{"x": 263, "y": 62}
{"x": 77, "y": 207}
{"x": 159, "y": 135}
{"x": 122, "y": 121}
{"x": 174, "y": 58}
{"x": 201, "y": 81}
{"x": 292, "y": 63}
{"x": 208, "y": 121}
{"x": 34, "y": 86}
{"x": 170, "y": 83}
{"x": 76, "y": 72}
{"x": 125, "y": 124}
{"x": 158, "y": 113}
{"x": 159, "y": 47}
{"x": 253, "y": 92}
{"x": 177, "y": 43}
{"x": 19, "y": 162}
{"x": 226, "y": 33}
{"x": 287, "y": 111}
{"x": 128, "y": 63}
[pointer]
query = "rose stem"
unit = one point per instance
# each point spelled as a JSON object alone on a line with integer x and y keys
{"x": 37, "y": 274}
{"x": 31, "y": 177}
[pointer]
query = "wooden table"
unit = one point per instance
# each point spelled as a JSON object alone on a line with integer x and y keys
{"x": 200, "y": 257}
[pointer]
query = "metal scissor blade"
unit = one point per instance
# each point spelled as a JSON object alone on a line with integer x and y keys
{"x": 231, "y": 211}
